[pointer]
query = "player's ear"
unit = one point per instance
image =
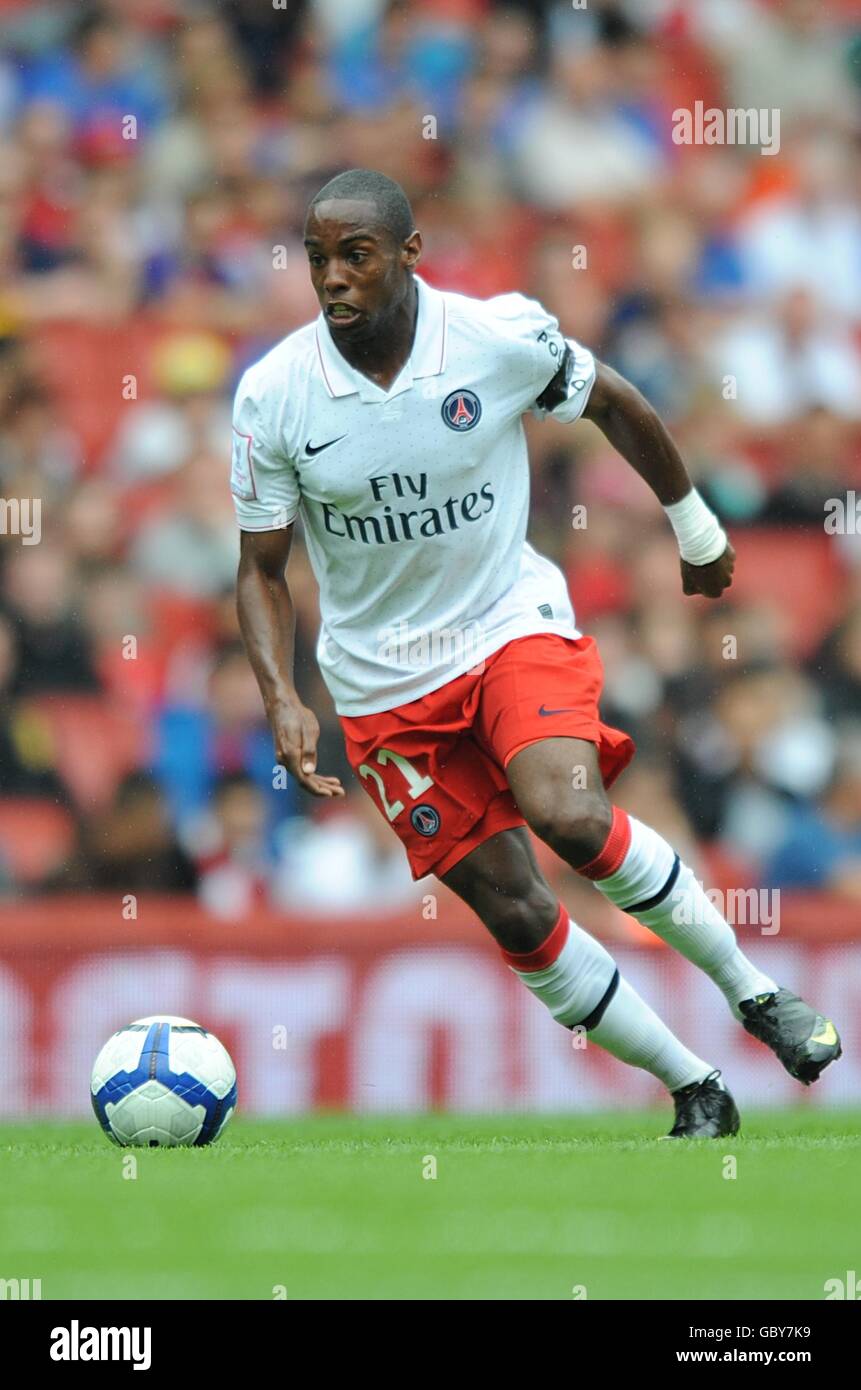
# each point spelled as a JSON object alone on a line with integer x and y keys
{"x": 411, "y": 251}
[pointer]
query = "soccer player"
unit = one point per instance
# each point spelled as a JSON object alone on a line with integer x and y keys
{"x": 467, "y": 696}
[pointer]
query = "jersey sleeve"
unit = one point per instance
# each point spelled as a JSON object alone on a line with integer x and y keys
{"x": 545, "y": 355}
{"x": 263, "y": 480}
{"x": 567, "y": 393}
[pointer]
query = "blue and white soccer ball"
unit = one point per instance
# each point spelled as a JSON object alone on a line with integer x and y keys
{"x": 163, "y": 1081}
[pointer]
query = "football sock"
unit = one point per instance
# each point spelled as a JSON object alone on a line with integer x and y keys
{"x": 634, "y": 1033}
{"x": 570, "y": 972}
{"x": 639, "y": 872}
{"x": 576, "y": 978}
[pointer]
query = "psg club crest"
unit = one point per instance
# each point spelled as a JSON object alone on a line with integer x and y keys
{"x": 425, "y": 819}
{"x": 461, "y": 410}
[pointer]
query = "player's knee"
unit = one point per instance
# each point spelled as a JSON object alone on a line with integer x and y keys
{"x": 522, "y": 922}
{"x": 577, "y": 831}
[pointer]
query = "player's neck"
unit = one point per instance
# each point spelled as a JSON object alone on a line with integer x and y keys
{"x": 381, "y": 359}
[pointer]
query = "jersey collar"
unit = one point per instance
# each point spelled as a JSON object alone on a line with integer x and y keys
{"x": 426, "y": 359}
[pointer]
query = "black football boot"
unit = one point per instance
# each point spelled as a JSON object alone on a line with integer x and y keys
{"x": 803, "y": 1040}
{"x": 704, "y": 1110}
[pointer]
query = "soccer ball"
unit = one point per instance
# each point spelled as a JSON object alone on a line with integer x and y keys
{"x": 163, "y": 1081}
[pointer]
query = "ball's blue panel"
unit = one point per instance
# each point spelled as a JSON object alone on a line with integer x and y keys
{"x": 122, "y": 1083}
{"x": 212, "y": 1124}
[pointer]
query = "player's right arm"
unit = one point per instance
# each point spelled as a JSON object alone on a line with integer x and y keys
{"x": 267, "y": 622}
{"x": 266, "y": 495}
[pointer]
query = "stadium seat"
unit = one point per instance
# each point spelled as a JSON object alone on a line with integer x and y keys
{"x": 36, "y": 836}
{"x": 95, "y": 743}
{"x": 799, "y": 571}
{"x": 80, "y": 363}
{"x": 177, "y": 619}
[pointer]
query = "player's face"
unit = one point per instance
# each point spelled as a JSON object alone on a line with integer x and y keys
{"x": 359, "y": 272}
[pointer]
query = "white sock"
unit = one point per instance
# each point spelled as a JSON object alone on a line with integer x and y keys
{"x": 649, "y": 881}
{"x": 572, "y": 974}
{"x": 634, "y": 1033}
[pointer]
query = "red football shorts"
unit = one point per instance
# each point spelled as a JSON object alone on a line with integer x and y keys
{"x": 436, "y": 766}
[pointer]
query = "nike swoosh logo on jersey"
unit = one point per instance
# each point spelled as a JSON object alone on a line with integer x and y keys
{"x": 569, "y": 709}
{"x": 318, "y": 448}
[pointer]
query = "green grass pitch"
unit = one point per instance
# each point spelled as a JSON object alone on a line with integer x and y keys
{"x": 522, "y": 1207}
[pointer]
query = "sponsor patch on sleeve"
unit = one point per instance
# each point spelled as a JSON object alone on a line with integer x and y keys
{"x": 241, "y": 470}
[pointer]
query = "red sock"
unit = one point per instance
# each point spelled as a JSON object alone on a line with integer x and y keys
{"x": 547, "y": 952}
{"x": 617, "y": 844}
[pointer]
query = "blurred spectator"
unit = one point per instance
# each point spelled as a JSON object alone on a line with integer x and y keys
{"x": 821, "y": 845}
{"x": 345, "y": 860}
{"x": 574, "y": 144}
{"x": 25, "y": 760}
{"x": 233, "y": 857}
{"x": 198, "y": 744}
{"x": 791, "y": 56}
{"x": 193, "y": 547}
{"x": 762, "y": 742}
{"x": 838, "y": 666}
{"x": 97, "y": 78}
{"x": 818, "y": 462}
{"x": 776, "y": 235}
{"x": 37, "y": 453}
{"x": 190, "y": 413}
{"x": 130, "y": 847}
{"x": 788, "y": 363}
{"x": 39, "y": 599}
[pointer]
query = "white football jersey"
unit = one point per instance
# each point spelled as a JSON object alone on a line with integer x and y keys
{"x": 414, "y": 500}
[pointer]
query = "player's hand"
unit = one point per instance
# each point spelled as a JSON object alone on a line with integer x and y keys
{"x": 295, "y": 731}
{"x": 710, "y": 580}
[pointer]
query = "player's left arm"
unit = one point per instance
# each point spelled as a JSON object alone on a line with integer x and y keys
{"x": 635, "y": 429}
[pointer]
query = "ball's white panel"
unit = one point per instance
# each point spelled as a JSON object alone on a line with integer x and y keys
{"x": 153, "y": 1114}
{"x": 122, "y": 1052}
{"x": 204, "y": 1057}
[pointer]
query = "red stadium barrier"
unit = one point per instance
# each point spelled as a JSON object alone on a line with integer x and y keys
{"x": 397, "y": 1013}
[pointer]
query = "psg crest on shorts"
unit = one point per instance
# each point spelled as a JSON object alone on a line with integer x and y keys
{"x": 461, "y": 410}
{"x": 425, "y": 819}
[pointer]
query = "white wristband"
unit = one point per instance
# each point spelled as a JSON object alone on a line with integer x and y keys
{"x": 700, "y": 535}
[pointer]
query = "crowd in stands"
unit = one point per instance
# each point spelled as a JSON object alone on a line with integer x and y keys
{"x": 156, "y": 159}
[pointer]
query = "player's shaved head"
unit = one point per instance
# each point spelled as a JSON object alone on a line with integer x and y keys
{"x": 390, "y": 203}
{"x": 362, "y": 249}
